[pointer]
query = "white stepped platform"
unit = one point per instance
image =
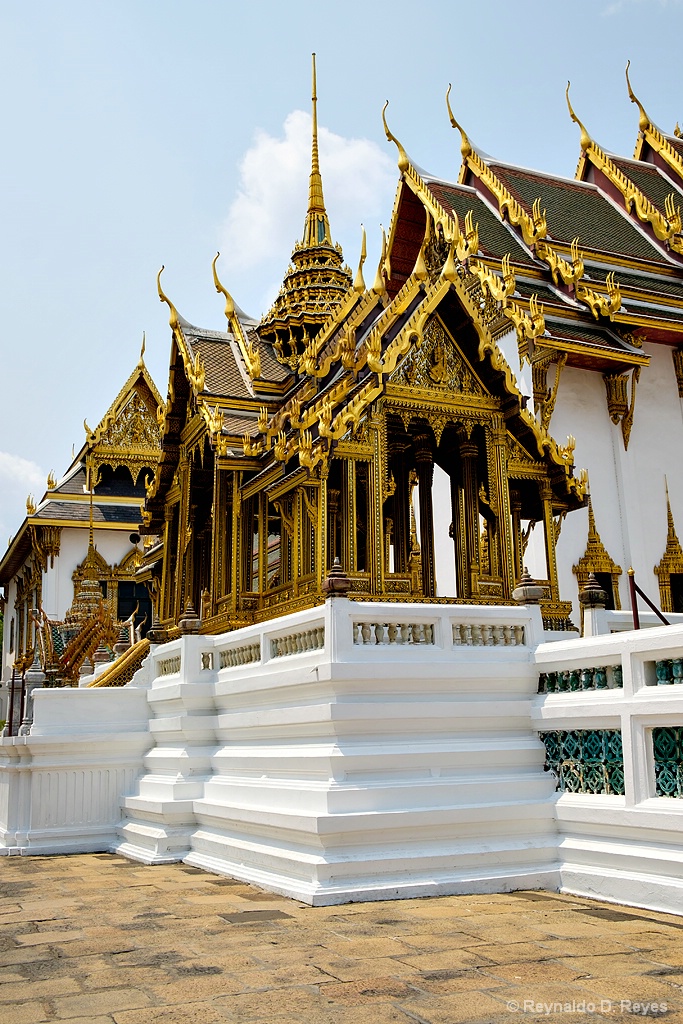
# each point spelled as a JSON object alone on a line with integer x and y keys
{"x": 331, "y": 769}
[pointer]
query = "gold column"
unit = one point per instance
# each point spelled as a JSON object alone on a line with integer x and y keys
{"x": 470, "y": 513}
{"x": 457, "y": 533}
{"x": 349, "y": 503}
{"x": 516, "y": 515}
{"x": 399, "y": 449}
{"x": 236, "y": 581}
{"x": 505, "y": 540}
{"x": 424, "y": 461}
{"x": 549, "y": 530}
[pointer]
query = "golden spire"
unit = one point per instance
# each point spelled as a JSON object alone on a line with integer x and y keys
{"x": 141, "y": 360}
{"x": 316, "y": 225}
{"x": 671, "y": 529}
{"x": 586, "y": 141}
{"x": 643, "y": 120}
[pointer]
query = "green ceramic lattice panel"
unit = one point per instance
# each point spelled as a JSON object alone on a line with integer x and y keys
{"x": 667, "y": 745}
{"x": 586, "y": 760}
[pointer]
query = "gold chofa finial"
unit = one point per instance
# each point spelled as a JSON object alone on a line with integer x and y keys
{"x": 403, "y": 160}
{"x": 586, "y": 141}
{"x": 677, "y": 131}
{"x": 643, "y": 120}
{"x": 359, "y": 282}
{"x": 173, "y": 319}
{"x": 465, "y": 144}
{"x": 316, "y": 225}
{"x": 229, "y": 303}
{"x": 141, "y": 360}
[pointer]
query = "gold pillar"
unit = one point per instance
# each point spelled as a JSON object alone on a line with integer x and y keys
{"x": 505, "y": 539}
{"x": 549, "y": 530}
{"x": 470, "y": 514}
{"x": 424, "y": 461}
{"x": 236, "y": 581}
{"x": 401, "y": 517}
{"x": 516, "y": 515}
{"x": 349, "y": 502}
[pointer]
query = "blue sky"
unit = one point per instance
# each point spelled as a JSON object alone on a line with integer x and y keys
{"x": 159, "y": 131}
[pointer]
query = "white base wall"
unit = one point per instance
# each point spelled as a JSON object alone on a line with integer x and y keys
{"x": 351, "y": 770}
{"x": 357, "y": 752}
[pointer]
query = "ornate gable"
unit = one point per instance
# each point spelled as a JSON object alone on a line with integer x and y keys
{"x": 129, "y": 433}
{"x": 437, "y": 364}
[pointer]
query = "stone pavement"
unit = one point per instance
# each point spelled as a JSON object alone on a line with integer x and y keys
{"x": 97, "y": 939}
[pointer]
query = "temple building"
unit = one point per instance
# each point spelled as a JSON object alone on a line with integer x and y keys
{"x": 407, "y": 428}
{"x": 78, "y": 549}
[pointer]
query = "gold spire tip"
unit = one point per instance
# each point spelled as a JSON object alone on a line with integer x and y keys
{"x": 643, "y": 120}
{"x": 586, "y": 141}
{"x": 465, "y": 144}
{"x": 142, "y": 351}
{"x": 403, "y": 160}
{"x": 229, "y": 303}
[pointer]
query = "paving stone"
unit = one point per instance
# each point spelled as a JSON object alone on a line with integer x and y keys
{"x": 44, "y": 938}
{"x": 357, "y": 970}
{"x": 608, "y": 966}
{"x": 24, "y": 1013}
{"x": 469, "y": 1007}
{"x": 37, "y": 989}
{"x": 300, "y": 1003}
{"x": 531, "y": 972}
{"x": 452, "y": 959}
{"x": 363, "y": 948}
{"x": 514, "y": 952}
{"x": 194, "y": 1013}
{"x": 359, "y": 993}
{"x": 444, "y": 982}
{"x": 283, "y": 977}
{"x": 94, "y": 1003}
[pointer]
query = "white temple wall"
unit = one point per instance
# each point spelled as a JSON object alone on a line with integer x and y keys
{"x": 627, "y": 487}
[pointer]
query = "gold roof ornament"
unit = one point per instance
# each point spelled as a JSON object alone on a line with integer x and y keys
{"x": 672, "y": 559}
{"x": 359, "y": 282}
{"x": 643, "y": 121}
{"x": 317, "y": 281}
{"x": 316, "y": 225}
{"x": 173, "y": 320}
{"x": 250, "y": 352}
{"x": 30, "y": 505}
{"x": 403, "y": 161}
{"x": 51, "y": 481}
{"x": 586, "y": 140}
{"x": 465, "y": 144}
{"x": 666, "y": 224}
{"x": 141, "y": 360}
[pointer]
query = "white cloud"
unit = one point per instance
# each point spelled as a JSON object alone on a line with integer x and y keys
{"x": 267, "y": 216}
{"x": 18, "y": 478}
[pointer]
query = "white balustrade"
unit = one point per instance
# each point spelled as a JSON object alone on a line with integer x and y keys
{"x": 300, "y": 642}
{"x": 234, "y": 657}
{"x": 393, "y": 633}
{"x": 488, "y": 634}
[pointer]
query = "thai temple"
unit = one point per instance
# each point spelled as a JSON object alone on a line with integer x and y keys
{"x": 459, "y": 458}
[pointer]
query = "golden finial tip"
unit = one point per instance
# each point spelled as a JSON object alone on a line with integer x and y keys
{"x": 586, "y": 141}
{"x": 465, "y": 144}
{"x": 643, "y": 120}
{"x": 403, "y": 161}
